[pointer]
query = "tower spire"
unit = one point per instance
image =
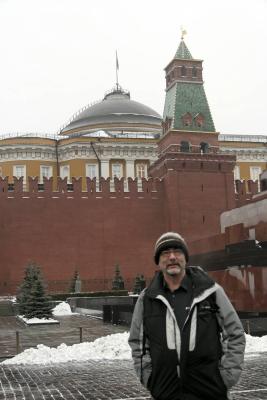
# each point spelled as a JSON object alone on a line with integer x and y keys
{"x": 186, "y": 106}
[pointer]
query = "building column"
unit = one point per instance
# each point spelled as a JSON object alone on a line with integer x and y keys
{"x": 130, "y": 172}
{"x": 105, "y": 168}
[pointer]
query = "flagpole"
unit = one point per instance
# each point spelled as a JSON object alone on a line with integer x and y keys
{"x": 117, "y": 68}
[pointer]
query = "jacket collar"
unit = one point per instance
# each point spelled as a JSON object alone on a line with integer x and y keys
{"x": 201, "y": 281}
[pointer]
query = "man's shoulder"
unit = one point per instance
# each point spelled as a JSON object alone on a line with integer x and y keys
{"x": 196, "y": 268}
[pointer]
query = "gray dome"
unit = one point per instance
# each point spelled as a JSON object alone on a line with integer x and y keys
{"x": 115, "y": 112}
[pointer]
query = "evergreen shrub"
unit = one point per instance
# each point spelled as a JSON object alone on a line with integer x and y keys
{"x": 31, "y": 299}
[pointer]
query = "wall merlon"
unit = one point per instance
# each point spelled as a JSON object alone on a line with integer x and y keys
{"x": 102, "y": 188}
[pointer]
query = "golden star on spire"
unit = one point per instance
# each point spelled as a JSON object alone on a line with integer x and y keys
{"x": 183, "y": 32}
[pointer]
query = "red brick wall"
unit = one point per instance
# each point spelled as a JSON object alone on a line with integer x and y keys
{"x": 194, "y": 138}
{"x": 93, "y": 231}
{"x": 88, "y": 234}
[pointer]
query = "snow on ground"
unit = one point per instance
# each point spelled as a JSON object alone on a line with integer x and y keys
{"x": 62, "y": 308}
{"x": 10, "y": 298}
{"x": 256, "y": 344}
{"x": 111, "y": 347}
{"x": 37, "y": 321}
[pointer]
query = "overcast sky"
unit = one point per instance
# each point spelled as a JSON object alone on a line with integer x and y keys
{"x": 59, "y": 55}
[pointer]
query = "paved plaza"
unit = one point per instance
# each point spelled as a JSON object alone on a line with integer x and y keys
{"x": 93, "y": 380}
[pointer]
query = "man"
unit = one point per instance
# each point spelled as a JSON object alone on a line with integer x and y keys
{"x": 186, "y": 338}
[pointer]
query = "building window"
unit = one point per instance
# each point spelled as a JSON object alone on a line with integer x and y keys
{"x": 255, "y": 173}
{"x": 199, "y": 120}
{"x": 19, "y": 171}
{"x": 183, "y": 71}
{"x": 237, "y": 173}
{"x": 194, "y": 72}
{"x": 45, "y": 171}
{"x": 141, "y": 170}
{"x": 187, "y": 119}
{"x": 91, "y": 171}
{"x": 184, "y": 146}
{"x": 204, "y": 147}
{"x": 116, "y": 170}
{"x": 65, "y": 172}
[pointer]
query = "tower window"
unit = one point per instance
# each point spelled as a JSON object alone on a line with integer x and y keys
{"x": 199, "y": 120}
{"x": 194, "y": 72}
{"x": 183, "y": 71}
{"x": 185, "y": 146}
{"x": 187, "y": 119}
{"x": 204, "y": 147}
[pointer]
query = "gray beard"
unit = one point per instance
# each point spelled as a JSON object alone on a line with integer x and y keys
{"x": 174, "y": 271}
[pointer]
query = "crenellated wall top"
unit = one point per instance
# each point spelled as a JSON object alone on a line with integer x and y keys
{"x": 95, "y": 188}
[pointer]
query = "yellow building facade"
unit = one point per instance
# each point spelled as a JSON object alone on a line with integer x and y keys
{"x": 114, "y": 137}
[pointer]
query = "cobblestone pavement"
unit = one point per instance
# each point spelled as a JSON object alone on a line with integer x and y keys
{"x": 114, "y": 380}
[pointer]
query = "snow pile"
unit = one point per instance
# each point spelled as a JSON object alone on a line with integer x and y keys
{"x": 111, "y": 347}
{"x": 62, "y": 309}
{"x": 36, "y": 321}
{"x": 8, "y": 298}
{"x": 256, "y": 344}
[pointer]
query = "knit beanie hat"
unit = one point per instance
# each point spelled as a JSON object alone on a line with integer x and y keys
{"x": 170, "y": 240}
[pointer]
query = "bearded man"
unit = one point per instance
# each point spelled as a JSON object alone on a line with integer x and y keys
{"x": 187, "y": 341}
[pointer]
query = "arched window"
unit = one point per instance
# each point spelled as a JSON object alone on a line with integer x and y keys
{"x": 204, "y": 147}
{"x": 185, "y": 146}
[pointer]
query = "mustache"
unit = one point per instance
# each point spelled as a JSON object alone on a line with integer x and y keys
{"x": 174, "y": 263}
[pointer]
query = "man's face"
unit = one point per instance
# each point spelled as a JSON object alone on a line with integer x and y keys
{"x": 172, "y": 262}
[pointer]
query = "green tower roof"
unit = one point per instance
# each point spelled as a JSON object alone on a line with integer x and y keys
{"x": 188, "y": 99}
{"x": 186, "y": 103}
{"x": 183, "y": 52}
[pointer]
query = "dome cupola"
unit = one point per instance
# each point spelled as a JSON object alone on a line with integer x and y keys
{"x": 116, "y": 114}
